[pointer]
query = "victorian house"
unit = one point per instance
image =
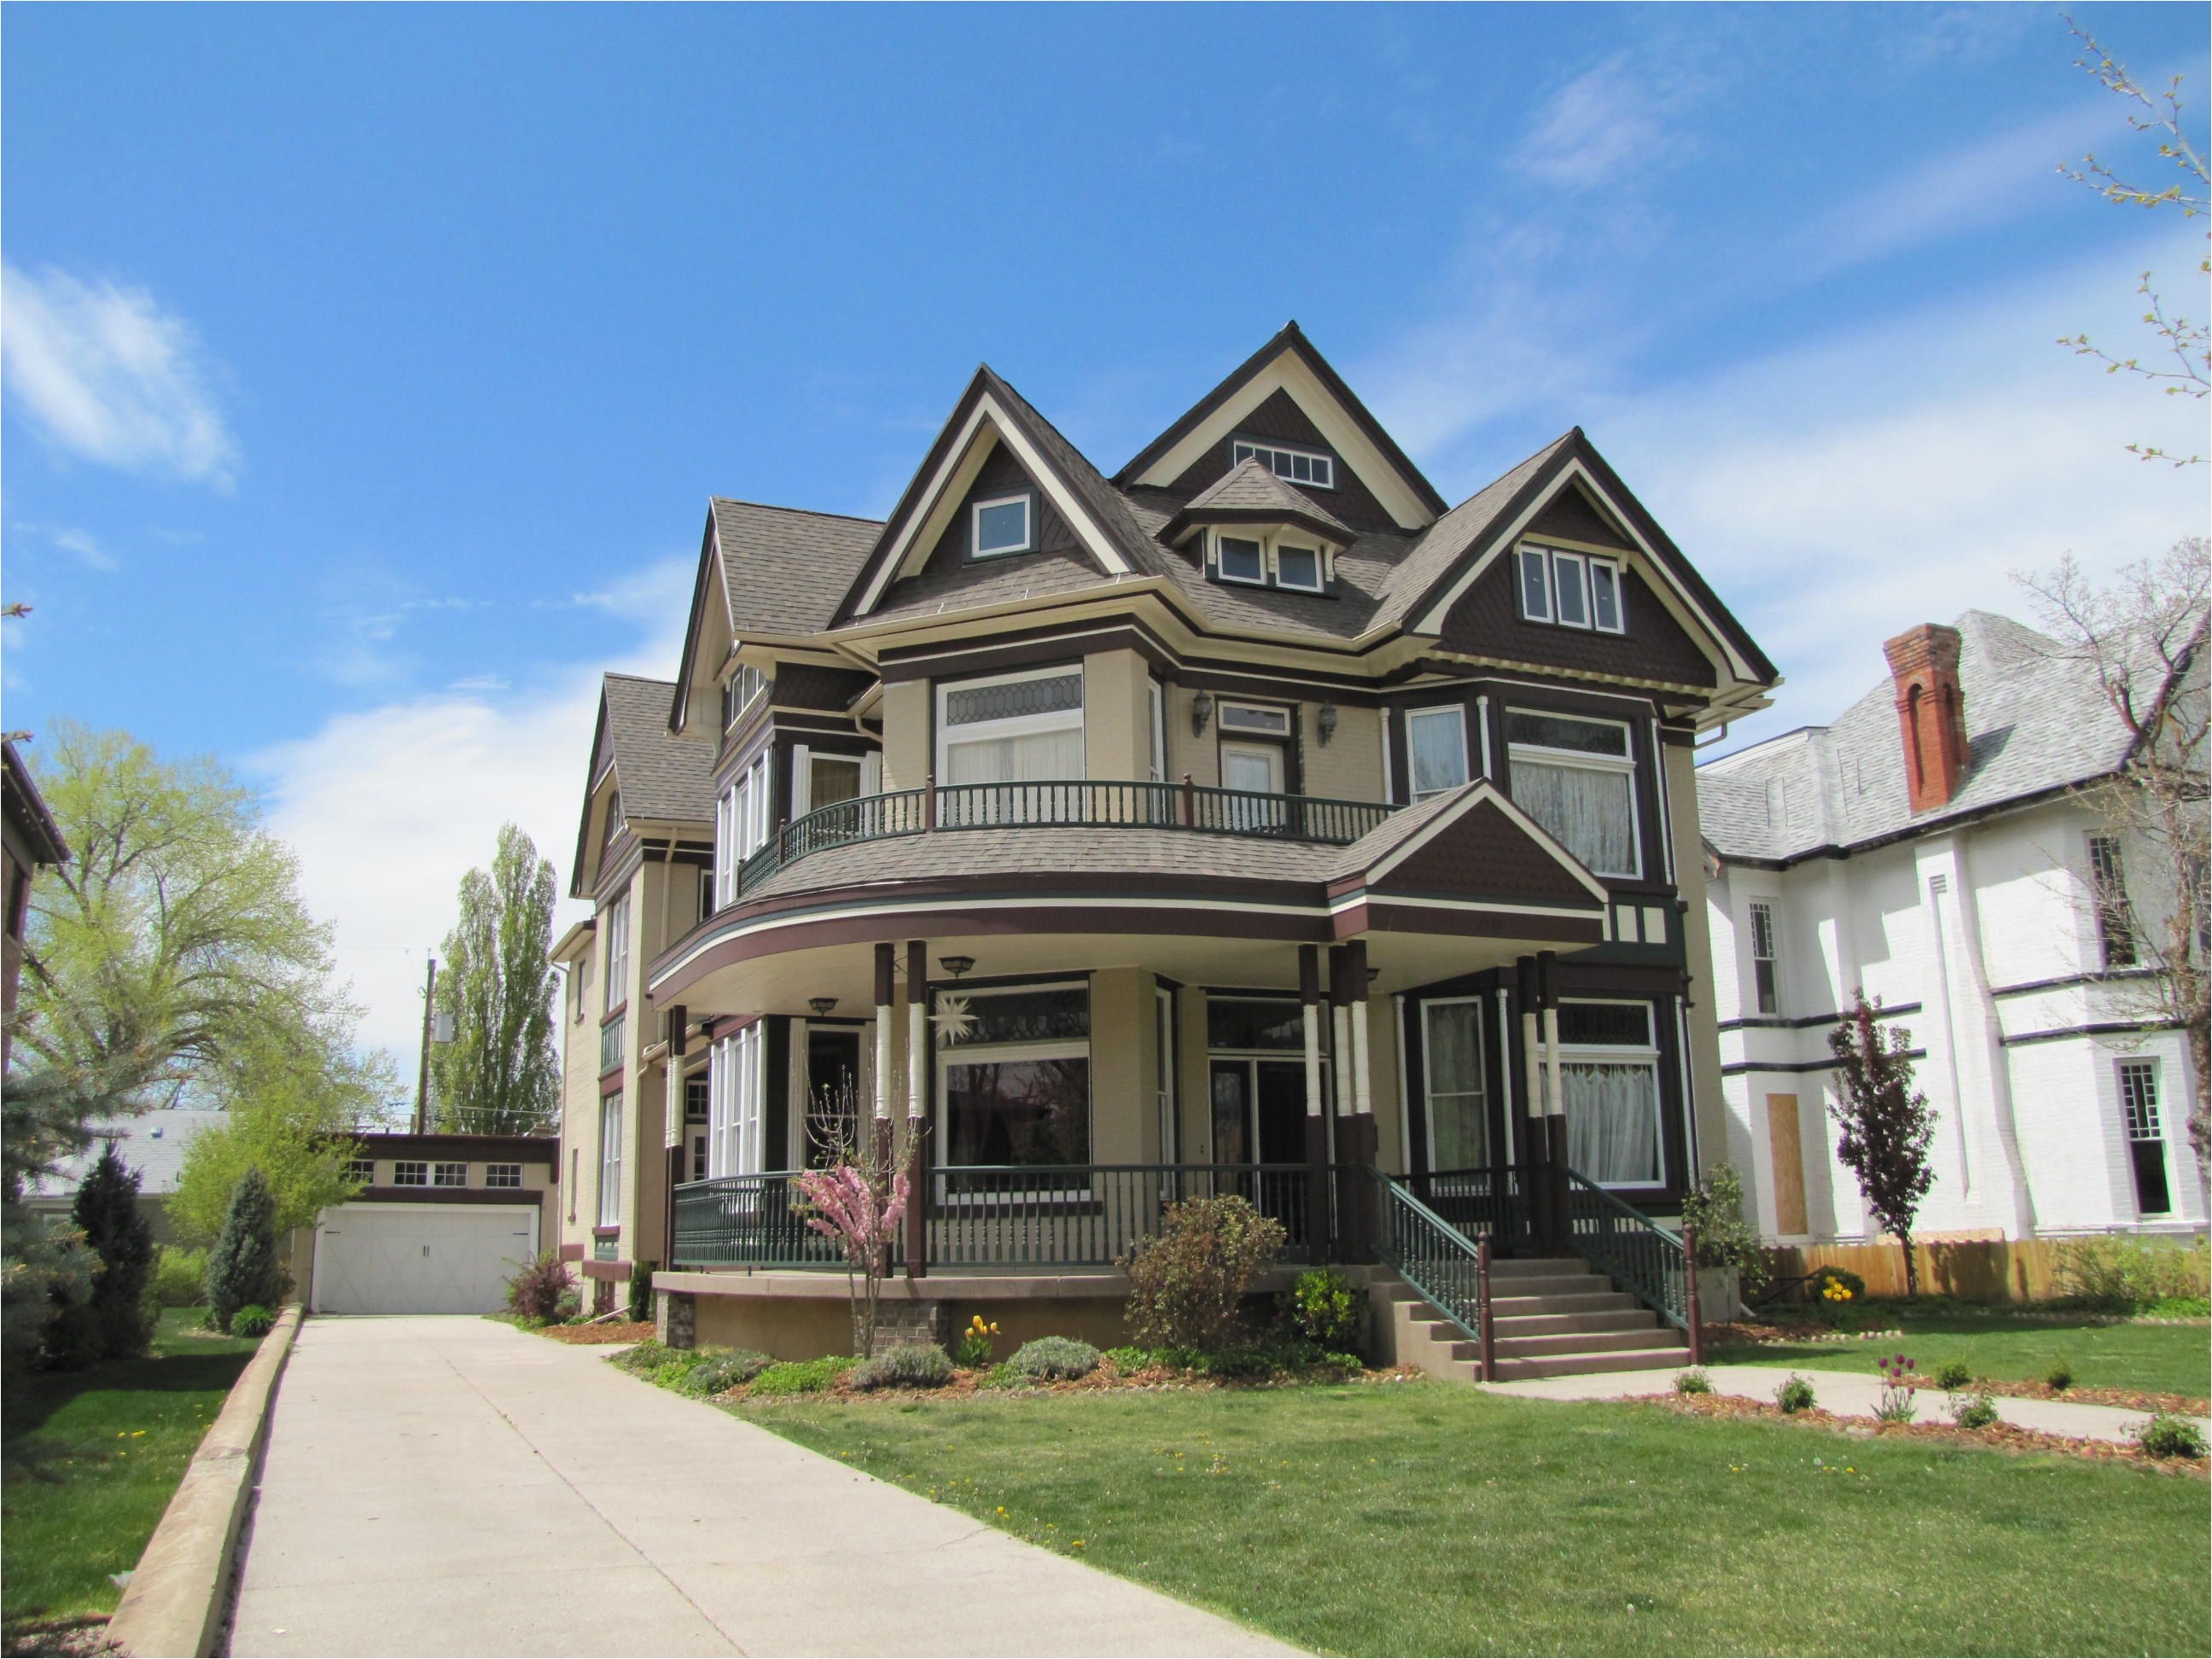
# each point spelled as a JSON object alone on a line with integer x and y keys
{"x": 1251, "y": 819}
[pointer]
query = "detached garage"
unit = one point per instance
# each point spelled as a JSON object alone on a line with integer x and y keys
{"x": 440, "y": 1224}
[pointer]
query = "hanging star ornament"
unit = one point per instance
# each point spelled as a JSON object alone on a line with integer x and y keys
{"x": 954, "y": 1023}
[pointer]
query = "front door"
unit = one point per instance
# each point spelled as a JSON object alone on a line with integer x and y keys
{"x": 834, "y": 1108}
{"x": 1259, "y": 1111}
{"x": 1255, "y": 771}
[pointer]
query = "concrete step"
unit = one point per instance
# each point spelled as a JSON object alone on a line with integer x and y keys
{"x": 1540, "y": 1267}
{"x": 1594, "y": 1302}
{"x": 1638, "y": 1318}
{"x": 1583, "y": 1365}
{"x": 1547, "y": 1285}
{"x": 1543, "y": 1347}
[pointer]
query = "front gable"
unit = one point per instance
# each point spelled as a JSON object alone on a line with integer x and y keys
{"x": 601, "y": 785}
{"x": 1473, "y": 863}
{"x": 1287, "y": 390}
{"x": 706, "y": 639}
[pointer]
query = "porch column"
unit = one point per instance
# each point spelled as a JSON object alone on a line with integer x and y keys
{"x": 1535, "y": 1138}
{"x": 1352, "y": 1214}
{"x": 674, "y": 1133}
{"x": 1316, "y": 1125}
{"x": 1364, "y": 1142}
{"x": 1555, "y": 1101}
{"x": 882, "y": 1125}
{"x": 917, "y": 1098}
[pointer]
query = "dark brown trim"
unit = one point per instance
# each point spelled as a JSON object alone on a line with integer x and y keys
{"x": 611, "y": 1231}
{"x": 618, "y": 1012}
{"x": 1022, "y": 649}
{"x": 1338, "y": 536}
{"x": 572, "y": 1253}
{"x": 616, "y": 1273}
{"x": 501, "y": 1148}
{"x": 610, "y": 1082}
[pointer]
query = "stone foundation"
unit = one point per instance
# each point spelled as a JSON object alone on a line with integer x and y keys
{"x": 676, "y": 1319}
{"x": 900, "y": 1323}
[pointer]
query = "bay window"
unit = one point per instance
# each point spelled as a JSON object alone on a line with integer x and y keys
{"x": 736, "y": 1084}
{"x": 1436, "y": 750}
{"x": 1012, "y": 729}
{"x": 1577, "y": 777}
{"x": 1610, "y": 1071}
{"x": 1013, "y": 1072}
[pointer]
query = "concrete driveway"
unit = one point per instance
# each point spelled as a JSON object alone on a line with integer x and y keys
{"x": 451, "y": 1486}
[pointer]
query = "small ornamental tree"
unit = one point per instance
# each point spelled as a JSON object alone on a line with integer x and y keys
{"x": 859, "y": 1201}
{"x": 242, "y": 1267}
{"x": 1886, "y": 1123}
{"x": 111, "y": 1323}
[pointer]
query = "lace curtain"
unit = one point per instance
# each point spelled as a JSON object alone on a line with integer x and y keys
{"x": 1033, "y": 758}
{"x": 1613, "y": 1120}
{"x": 1588, "y": 810}
{"x": 1457, "y": 1122}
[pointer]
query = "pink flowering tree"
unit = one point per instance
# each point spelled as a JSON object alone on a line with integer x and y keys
{"x": 858, "y": 1200}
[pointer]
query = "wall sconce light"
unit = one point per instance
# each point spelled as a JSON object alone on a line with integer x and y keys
{"x": 1327, "y": 723}
{"x": 956, "y": 966}
{"x": 1373, "y": 973}
{"x": 1201, "y": 710}
{"x": 821, "y": 1006}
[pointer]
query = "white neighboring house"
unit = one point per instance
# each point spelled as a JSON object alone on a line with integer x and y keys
{"x": 1925, "y": 846}
{"x": 153, "y": 1144}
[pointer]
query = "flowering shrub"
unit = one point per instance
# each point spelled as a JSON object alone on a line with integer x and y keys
{"x": 971, "y": 1350}
{"x": 916, "y": 1365}
{"x": 536, "y": 1291}
{"x": 1795, "y": 1394}
{"x": 856, "y": 1209}
{"x": 1327, "y": 1307}
{"x": 1897, "y": 1389}
{"x": 1055, "y": 1358}
{"x": 1188, "y": 1284}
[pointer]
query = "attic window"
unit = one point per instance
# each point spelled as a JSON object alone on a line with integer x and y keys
{"x": 738, "y": 691}
{"x": 1298, "y": 567}
{"x": 1303, "y": 466}
{"x": 1243, "y": 561}
{"x": 1265, "y": 561}
{"x": 1004, "y": 524}
{"x": 1572, "y": 590}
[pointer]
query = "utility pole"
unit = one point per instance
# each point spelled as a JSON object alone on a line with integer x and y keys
{"x": 422, "y": 1075}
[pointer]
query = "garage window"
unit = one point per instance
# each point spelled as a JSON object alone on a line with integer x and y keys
{"x": 363, "y": 1170}
{"x": 406, "y": 1173}
{"x": 503, "y": 1174}
{"x": 450, "y": 1175}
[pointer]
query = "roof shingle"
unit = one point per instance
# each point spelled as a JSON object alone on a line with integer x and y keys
{"x": 660, "y": 775}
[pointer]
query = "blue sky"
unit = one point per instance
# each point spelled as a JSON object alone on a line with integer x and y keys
{"x": 367, "y": 368}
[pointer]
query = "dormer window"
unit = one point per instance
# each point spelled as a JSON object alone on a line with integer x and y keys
{"x": 1305, "y": 466}
{"x": 1298, "y": 567}
{"x": 738, "y": 691}
{"x": 1003, "y": 525}
{"x": 1571, "y": 590}
{"x": 1243, "y": 561}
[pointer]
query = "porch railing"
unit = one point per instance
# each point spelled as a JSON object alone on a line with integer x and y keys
{"x": 1437, "y": 1259}
{"x": 1493, "y": 1199}
{"x": 1643, "y": 1258}
{"x": 1084, "y": 802}
{"x": 1076, "y": 1215}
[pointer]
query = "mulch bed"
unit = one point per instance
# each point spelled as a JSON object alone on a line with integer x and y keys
{"x": 1105, "y": 1379}
{"x": 592, "y": 1336}
{"x": 70, "y": 1636}
{"x": 2003, "y": 1436}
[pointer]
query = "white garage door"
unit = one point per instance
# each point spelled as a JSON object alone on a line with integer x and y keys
{"x": 421, "y": 1258}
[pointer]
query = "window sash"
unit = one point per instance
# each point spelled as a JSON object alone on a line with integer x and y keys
{"x": 1766, "y": 983}
{"x": 410, "y": 1173}
{"x": 618, "y": 949}
{"x": 1301, "y": 466}
{"x": 611, "y": 1161}
{"x": 1040, "y": 748}
{"x": 1571, "y": 589}
{"x": 1454, "y": 1084}
{"x": 1586, "y": 801}
{"x": 1307, "y": 559}
{"x": 1157, "y": 700}
{"x": 1535, "y": 585}
{"x": 736, "y": 1084}
{"x": 1613, "y": 1136}
{"x": 1607, "y": 614}
{"x": 1024, "y": 543}
{"x": 1254, "y": 574}
{"x": 503, "y": 1175}
{"x": 1436, "y": 750}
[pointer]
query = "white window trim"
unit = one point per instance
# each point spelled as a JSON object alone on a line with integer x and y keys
{"x": 1480, "y": 1092}
{"x": 1221, "y": 565}
{"x": 1244, "y": 449}
{"x": 1156, "y": 698}
{"x": 1619, "y": 624}
{"x": 975, "y": 511}
{"x": 1545, "y": 754}
{"x": 736, "y": 1097}
{"x": 1560, "y": 576}
{"x": 1543, "y": 556}
{"x": 438, "y": 1169}
{"x": 1016, "y": 725}
{"x": 1457, "y": 713}
{"x": 617, "y": 953}
{"x": 1163, "y": 1072}
{"x": 1584, "y": 561}
{"x": 1268, "y": 726}
{"x": 1320, "y": 578}
{"x": 1752, "y": 910}
{"x": 497, "y": 1177}
{"x": 399, "y": 1168}
{"x": 610, "y": 1160}
{"x": 1623, "y": 1053}
{"x": 2129, "y": 1139}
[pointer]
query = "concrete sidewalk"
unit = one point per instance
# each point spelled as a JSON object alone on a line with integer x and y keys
{"x": 1847, "y": 1394}
{"x": 451, "y": 1486}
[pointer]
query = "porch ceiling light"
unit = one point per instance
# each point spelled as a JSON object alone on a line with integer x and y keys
{"x": 1201, "y": 710}
{"x": 821, "y": 1006}
{"x": 1327, "y": 723}
{"x": 956, "y": 966}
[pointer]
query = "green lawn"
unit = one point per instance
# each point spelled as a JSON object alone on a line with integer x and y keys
{"x": 1433, "y": 1518}
{"x": 2161, "y": 1358}
{"x": 91, "y": 1458}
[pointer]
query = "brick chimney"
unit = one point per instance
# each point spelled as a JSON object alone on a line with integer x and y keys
{"x": 1931, "y": 715}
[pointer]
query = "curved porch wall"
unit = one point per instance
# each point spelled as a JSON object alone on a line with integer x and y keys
{"x": 808, "y": 1328}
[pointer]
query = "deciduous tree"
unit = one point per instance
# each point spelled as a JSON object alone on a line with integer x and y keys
{"x": 289, "y": 1116}
{"x": 500, "y": 1075}
{"x": 1887, "y": 1126}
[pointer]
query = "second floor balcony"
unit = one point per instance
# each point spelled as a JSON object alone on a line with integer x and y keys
{"x": 1105, "y": 805}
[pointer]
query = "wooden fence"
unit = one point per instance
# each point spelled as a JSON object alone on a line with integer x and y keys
{"x": 1974, "y": 1270}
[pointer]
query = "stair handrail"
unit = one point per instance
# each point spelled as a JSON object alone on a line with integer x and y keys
{"x": 1651, "y": 1262}
{"x": 1437, "y": 1260}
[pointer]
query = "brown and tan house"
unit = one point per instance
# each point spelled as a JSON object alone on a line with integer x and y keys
{"x": 32, "y": 838}
{"x": 1249, "y": 820}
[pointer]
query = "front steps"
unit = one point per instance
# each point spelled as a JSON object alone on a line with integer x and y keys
{"x": 1551, "y": 1316}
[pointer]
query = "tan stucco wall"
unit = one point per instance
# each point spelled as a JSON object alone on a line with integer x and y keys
{"x": 906, "y": 734}
{"x": 1195, "y": 1099}
{"x": 1116, "y": 715}
{"x": 1383, "y": 1083}
{"x": 1351, "y": 767}
{"x": 1121, "y": 1092}
{"x": 1195, "y": 755}
{"x": 1711, "y": 1113}
{"x": 790, "y": 1328}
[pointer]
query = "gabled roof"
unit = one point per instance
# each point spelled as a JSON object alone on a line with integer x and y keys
{"x": 1477, "y": 829}
{"x": 2037, "y": 721}
{"x": 27, "y": 812}
{"x": 1249, "y": 493}
{"x": 153, "y": 1144}
{"x": 660, "y": 775}
{"x": 1293, "y": 339}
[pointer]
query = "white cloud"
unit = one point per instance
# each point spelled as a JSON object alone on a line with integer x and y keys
{"x": 1610, "y": 120}
{"x": 81, "y": 544}
{"x": 389, "y": 806}
{"x": 105, "y": 374}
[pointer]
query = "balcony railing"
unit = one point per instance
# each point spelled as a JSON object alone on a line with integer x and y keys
{"x": 1083, "y": 803}
{"x": 1085, "y": 1215}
